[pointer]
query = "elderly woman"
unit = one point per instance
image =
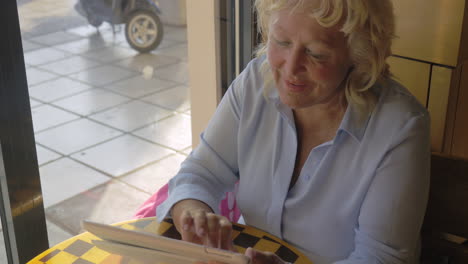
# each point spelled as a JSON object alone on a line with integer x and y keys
{"x": 331, "y": 154}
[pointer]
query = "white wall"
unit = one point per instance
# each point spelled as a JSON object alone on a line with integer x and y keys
{"x": 173, "y": 12}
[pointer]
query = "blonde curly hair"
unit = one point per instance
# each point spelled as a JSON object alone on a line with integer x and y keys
{"x": 368, "y": 26}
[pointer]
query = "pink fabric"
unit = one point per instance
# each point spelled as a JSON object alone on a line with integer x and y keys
{"x": 148, "y": 208}
{"x": 227, "y": 207}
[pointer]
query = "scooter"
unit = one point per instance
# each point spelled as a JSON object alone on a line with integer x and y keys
{"x": 143, "y": 27}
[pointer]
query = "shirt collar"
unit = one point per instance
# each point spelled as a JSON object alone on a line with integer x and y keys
{"x": 354, "y": 122}
{"x": 284, "y": 110}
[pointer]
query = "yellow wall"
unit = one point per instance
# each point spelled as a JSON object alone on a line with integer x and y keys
{"x": 201, "y": 33}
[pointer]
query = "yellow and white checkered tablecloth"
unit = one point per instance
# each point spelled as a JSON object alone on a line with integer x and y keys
{"x": 80, "y": 250}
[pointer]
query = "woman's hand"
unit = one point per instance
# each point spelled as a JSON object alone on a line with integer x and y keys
{"x": 197, "y": 223}
{"x": 261, "y": 257}
{"x": 256, "y": 257}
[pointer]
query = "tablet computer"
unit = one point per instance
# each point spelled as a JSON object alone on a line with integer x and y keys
{"x": 149, "y": 247}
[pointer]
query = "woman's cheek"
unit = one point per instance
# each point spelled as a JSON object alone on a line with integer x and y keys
{"x": 322, "y": 74}
{"x": 274, "y": 56}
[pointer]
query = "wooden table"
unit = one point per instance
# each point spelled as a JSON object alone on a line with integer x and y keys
{"x": 79, "y": 250}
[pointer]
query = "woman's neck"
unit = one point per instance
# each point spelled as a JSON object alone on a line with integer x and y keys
{"x": 320, "y": 116}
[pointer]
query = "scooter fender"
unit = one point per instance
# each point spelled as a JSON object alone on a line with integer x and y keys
{"x": 155, "y": 5}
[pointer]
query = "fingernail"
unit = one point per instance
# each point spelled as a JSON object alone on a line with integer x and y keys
{"x": 185, "y": 227}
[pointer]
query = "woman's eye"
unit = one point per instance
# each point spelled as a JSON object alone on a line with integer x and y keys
{"x": 314, "y": 55}
{"x": 282, "y": 43}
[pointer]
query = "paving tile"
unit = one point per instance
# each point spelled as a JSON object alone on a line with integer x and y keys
{"x": 40, "y": 17}
{"x": 117, "y": 37}
{"x": 122, "y": 155}
{"x": 108, "y": 203}
{"x": 176, "y": 72}
{"x": 85, "y": 45}
{"x": 110, "y": 54}
{"x": 41, "y": 25}
{"x": 47, "y": 116}
{"x": 44, "y": 155}
{"x": 164, "y": 44}
{"x": 69, "y": 65}
{"x": 55, "y": 38}
{"x": 91, "y": 101}
{"x": 139, "y": 62}
{"x": 154, "y": 176}
{"x": 176, "y": 98}
{"x": 76, "y": 135}
{"x": 103, "y": 75}
{"x": 36, "y": 76}
{"x": 34, "y": 103}
{"x": 56, "y": 234}
{"x": 187, "y": 151}
{"x": 175, "y": 33}
{"x": 177, "y": 51}
{"x": 65, "y": 178}
{"x": 131, "y": 116}
{"x": 88, "y": 30}
{"x": 43, "y": 56}
{"x": 65, "y": 7}
{"x": 139, "y": 86}
{"x": 30, "y": 46}
{"x": 49, "y": 8}
{"x": 55, "y": 89}
{"x": 174, "y": 132}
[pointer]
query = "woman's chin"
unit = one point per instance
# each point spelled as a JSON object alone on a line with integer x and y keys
{"x": 294, "y": 102}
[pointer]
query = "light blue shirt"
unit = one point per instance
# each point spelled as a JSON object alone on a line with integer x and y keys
{"x": 360, "y": 198}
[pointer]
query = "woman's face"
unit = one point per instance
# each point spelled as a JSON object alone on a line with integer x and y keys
{"x": 309, "y": 62}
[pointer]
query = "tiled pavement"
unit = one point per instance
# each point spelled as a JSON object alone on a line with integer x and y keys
{"x": 107, "y": 136}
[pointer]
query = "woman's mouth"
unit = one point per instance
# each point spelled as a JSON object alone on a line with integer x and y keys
{"x": 295, "y": 86}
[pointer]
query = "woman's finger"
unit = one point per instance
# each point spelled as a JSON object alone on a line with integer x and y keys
{"x": 187, "y": 229}
{"x": 225, "y": 236}
{"x": 199, "y": 220}
{"x": 260, "y": 257}
{"x": 213, "y": 230}
{"x": 201, "y": 227}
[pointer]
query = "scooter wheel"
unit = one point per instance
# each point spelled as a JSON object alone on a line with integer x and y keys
{"x": 143, "y": 30}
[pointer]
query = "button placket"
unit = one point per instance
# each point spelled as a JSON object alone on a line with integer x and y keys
{"x": 282, "y": 177}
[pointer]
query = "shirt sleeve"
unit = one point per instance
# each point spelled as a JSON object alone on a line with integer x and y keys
{"x": 211, "y": 169}
{"x": 393, "y": 210}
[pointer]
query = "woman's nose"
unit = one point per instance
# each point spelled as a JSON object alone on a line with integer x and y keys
{"x": 295, "y": 63}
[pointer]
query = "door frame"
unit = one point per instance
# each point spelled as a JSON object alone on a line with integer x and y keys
{"x": 21, "y": 203}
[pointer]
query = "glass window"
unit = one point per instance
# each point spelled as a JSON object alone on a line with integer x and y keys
{"x": 110, "y": 101}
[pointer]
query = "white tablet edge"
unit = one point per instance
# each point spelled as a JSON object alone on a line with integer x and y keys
{"x": 152, "y": 241}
